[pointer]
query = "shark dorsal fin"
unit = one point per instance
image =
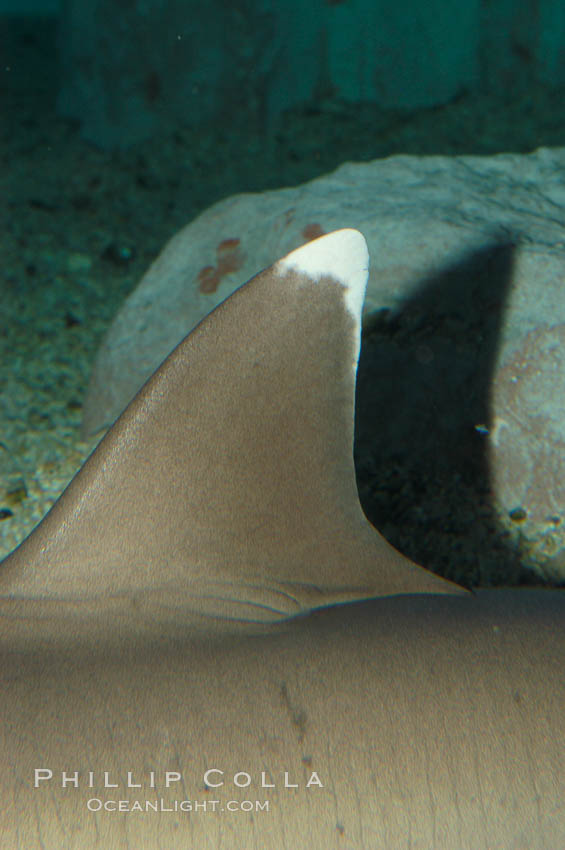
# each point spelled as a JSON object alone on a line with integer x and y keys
{"x": 227, "y": 487}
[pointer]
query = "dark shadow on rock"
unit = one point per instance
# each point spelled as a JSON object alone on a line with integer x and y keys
{"x": 422, "y": 405}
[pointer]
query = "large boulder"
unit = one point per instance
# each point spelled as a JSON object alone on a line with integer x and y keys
{"x": 465, "y": 313}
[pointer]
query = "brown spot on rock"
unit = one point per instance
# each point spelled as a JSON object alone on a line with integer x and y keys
{"x": 207, "y": 279}
{"x": 229, "y": 258}
{"x": 313, "y": 231}
{"x": 227, "y": 246}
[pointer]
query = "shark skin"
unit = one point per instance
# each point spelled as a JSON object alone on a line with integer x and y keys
{"x": 206, "y": 645}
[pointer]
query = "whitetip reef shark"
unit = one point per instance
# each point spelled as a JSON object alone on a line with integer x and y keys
{"x": 205, "y": 644}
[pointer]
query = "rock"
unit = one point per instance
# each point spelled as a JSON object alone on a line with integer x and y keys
{"x": 467, "y": 295}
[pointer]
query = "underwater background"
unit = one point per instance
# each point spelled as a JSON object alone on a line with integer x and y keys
{"x": 121, "y": 121}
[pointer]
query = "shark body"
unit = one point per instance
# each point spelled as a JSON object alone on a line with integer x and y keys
{"x": 205, "y": 643}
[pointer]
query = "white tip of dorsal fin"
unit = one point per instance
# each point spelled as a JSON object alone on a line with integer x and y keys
{"x": 227, "y": 489}
{"x": 343, "y": 255}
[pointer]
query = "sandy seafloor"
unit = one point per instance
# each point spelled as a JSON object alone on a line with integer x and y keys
{"x": 80, "y": 226}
